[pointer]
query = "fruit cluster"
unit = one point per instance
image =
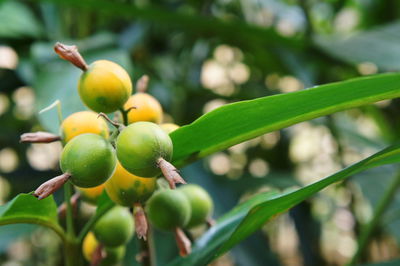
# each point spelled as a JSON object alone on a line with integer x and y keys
{"x": 125, "y": 163}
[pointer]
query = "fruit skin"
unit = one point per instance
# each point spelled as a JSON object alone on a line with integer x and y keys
{"x": 147, "y": 108}
{"x": 200, "y": 203}
{"x": 168, "y": 209}
{"x": 91, "y": 195}
{"x": 127, "y": 189}
{"x": 89, "y": 158}
{"x": 105, "y": 86}
{"x": 83, "y": 122}
{"x": 169, "y": 127}
{"x": 113, "y": 255}
{"x": 140, "y": 145}
{"x": 115, "y": 228}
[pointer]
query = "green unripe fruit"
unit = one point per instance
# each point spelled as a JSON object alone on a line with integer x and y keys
{"x": 113, "y": 255}
{"x": 89, "y": 158}
{"x": 200, "y": 203}
{"x": 168, "y": 209}
{"x": 140, "y": 145}
{"x": 115, "y": 228}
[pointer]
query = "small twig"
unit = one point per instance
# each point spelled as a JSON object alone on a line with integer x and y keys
{"x": 71, "y": 54}
{"x": 51, "y": 186}
{"x": 142, "y": 84}
{"x": 130, "y": 108}
{"x": 115, "y": 124}
{"x": 183, "y": 242}
{"x": 141, "y": 224}
{"x": 38, "y": 137}
{"x": 170, "y": 173}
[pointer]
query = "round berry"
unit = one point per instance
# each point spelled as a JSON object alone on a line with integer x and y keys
{"x": 89, "y": 158}
{"x": 168, "y": 209}
{"x": 105, "y": 86}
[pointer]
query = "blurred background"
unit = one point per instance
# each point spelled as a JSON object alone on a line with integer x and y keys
{"x": 201, "y": 55}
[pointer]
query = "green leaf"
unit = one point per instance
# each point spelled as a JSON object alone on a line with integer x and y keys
{"x": 209, "y": 242}
{"x": 379, "y": 46}
{"x": 241, "y": 121}
{"x": 25, "y": 208}
{"x": 235, "y": 226}
{"x": 17, "y": 21}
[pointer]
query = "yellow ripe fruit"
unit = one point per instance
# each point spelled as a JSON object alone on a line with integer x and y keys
{"x": 147, "y": 108}
{"x": 91, "y": 195}
{"x": 105, "y": 86}
{"x": 89, "y": 246}
{"x": 83, "y": 122}
{"x": 169, "y": 127}
{"x": 112, "y": 255}
{"x": 126, "y": 189}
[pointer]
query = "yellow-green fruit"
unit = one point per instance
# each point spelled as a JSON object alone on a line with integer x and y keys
{"x": 115, "y": 228}
{"x": 83, "y": 122}
{"x": 169, "y": 127}
{"x": 105, "y": 86}
{"x": 89, "y": 158}
{"x": 147, "y": 108}
{"x": 200, "y": 203}
{"x": 112, "y": 255}
{"x": 168, "y": 209}
{"x": 92, "y": 194}
{"x": 127, "y": 189}
{"x": 140, "y": 145}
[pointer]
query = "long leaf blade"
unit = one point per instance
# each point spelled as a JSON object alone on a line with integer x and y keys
{"x": 238, "y": 224}
{"x": 241, "y": 121}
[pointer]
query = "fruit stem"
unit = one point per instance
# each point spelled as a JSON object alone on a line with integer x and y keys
{"x": 72, "y": 252}
{"x": 141, "y": 224}
{"x": 69, "y": 212}
{"x": 51, "y": 186}
{"x": 71, "y": 54}
{"x": 170, "y": 173}
{"x": 38, "y": 137}
{"x": 142, "y": 84}
{"x": 183, "y": 242}
{"x": 124, "y": 114}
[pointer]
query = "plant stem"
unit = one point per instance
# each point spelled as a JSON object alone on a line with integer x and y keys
{"x": 72, "y": 252}
{"x": 383, "y": 204}
{"x": 69, "y": 213}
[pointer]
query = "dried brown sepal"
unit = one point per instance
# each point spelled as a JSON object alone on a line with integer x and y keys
{"x": 210, "y": 222}
{"x": 183, "y": 242}
{"x": 74, "y": 203}
{"x": 51, "y": 186}
{"x": 39, "y": 137}
{"x": 142, "y": 84}
{"x": 115, "y": 124}
{"x": 141, "y": 224}
{"x": 170, "y": 173}
{"x": 98, "y": 255}
{"x": 71, "y": 54}
{"x": 141, "y": 256}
